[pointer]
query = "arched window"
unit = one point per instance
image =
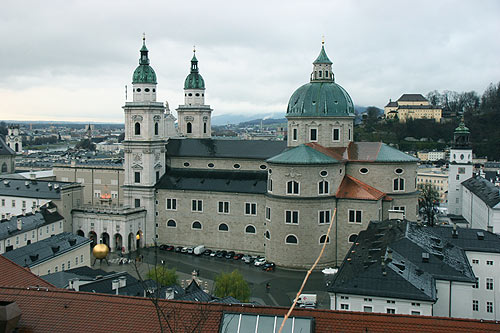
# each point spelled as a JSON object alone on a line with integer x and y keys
{"x": 204, "y": 127}
{"x": 196, "y": 225}
{"x": 4, "y": 167}
{"x": 292, "y": 187}
{"x": 323, "y": 238}
{"x": 250, "y": 229}
{"x": 137, "y": 127}
{"x": 189, "y": 128}
{"x": 291, "y": 239}
{"x": 156, "y": 128}
{"x": 323, "y": 187}
{"x": 352, "y": 238}
{"x": 17, "y": 147}
{"x": 171, "y": 224}
{"x": 398, "y": 184}
{"x": 223, "y": 227}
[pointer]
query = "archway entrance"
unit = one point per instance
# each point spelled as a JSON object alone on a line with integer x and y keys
{"x": 130, "y": 242}
{"x": 80, "y": 233}
{"x": 105, "y": 239}
{"x": 139, "y": 239}
{"x": 93, "y": 238}
{"x": 118, "y": 242}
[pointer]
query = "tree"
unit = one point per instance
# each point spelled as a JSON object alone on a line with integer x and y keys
{"x": 85, "y": 144}
{"x": 427, "y": 202}
{"x": 232, "y": 284}
{"x": 163, "y": 276}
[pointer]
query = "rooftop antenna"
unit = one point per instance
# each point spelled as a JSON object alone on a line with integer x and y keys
{"x": 323, "y": 40}
{"x": 125, "y": 93}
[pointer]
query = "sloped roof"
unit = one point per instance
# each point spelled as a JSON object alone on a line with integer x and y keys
{"x": 478, "y": 240}
{"x": 217, "y": 148}
{"x": 352, "y": 188}
{"x": 412, "y": 98}
{"x": 392, "y": 104}
{"x": 4, "y": 149}
{"x": 42, "y": 189}
{"x": 14, "y": 275}
{"x": 30, "y": 221}
{"x": 302, "y": 154}
{"x": 68, "y": 311}
{"x": 237, "y": 181}
{"x": 484, "y": 189}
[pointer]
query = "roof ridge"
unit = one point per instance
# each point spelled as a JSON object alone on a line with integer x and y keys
{"x": 376, "y": 194}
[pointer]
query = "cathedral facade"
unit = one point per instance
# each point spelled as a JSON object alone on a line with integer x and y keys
{"x": 273, "y": 198}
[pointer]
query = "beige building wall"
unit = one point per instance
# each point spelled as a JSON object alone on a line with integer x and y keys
{"x": 437, "y": 178}
{"x": 218, "y": 163}
{"x": 32, "y": 236}
{"x": 77, "y": 257}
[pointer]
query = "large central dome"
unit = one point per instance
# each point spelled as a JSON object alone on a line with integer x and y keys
{"x": 322, "y": 97}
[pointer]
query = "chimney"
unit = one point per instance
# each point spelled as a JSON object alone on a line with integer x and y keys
{"x": 32, "y": 175}
{"x": 74, "y": 285}
{"x": 425, "y": 257}
{"x": 169, "y": 294}
{"x": 10, "y": 313}
{"x": 115, "y": 285}
{"x": 489, "y": 228}
{"x": 454, "y": 233}
{"x": 19, "y": 224}
{"x": 480, "y": 235}
{"x": 123, "y": 281}
{"x": 389, "y": 255}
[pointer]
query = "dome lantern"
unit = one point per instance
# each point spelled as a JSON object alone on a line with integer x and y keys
{"x": 144, "y": 73}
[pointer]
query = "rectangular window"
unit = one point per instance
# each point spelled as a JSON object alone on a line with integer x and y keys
{"x": 489, "y": 307}
{"x": 157, "y": 175}
{"x": 292, "y": 216}
{"x": 355, "y": 216}
{"x": 415, "y": 313}
{"x": 114, "y": 194}
{"x": 367, "y": 309}
{"x": 97, "y": 193}
{"x": 62, "y": 267}
{"x": 76, "y": 261}
{"x": 292, "y": 187}
{"x": 294, "y": 136}
{"x": 268, "y": 213}
{"x": 367, "y": 299}
{"x": 81, "y": 258}
{"x": 313, "y": 134}
{"x": 344, "y": 306}
{"x": 223, "y": 207}
{"x": 336, "y": 134}
{"x": 97, "y": 181}
{"x": 458, "y": 177}
{"x": 323, "y": 187}
{"x": 137, "y": 177}
{"x": 476, "y": 285}
{"x": 137, "y": 203}
{"x": 69, "y": 264}
{"x": 171, "y": 204}
{"x": 24, "y": 203}
{"x": 270, "y": 185}
{"x": 324, "y": 217}
{"x": 399, "y": 184}
{"x": 13, "y": 203}
{"x": 196, "y": 205}
{"x": 475, "y": 261}
{"x": 475, "y": 305}
{"x": 489, "y": 283}
{"x": 3, "y": 202}
{"x": 391, "y": 311}
{"x": 250, "y": 208}
{"x": 350, "y": 134}
{"x": 489, "y": 262}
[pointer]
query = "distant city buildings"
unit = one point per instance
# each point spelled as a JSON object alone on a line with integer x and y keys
{"x": 412, "y": 106}
{"x": 437, "y": 177}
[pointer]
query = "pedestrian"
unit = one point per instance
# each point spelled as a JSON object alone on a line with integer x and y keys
{"x": 268, "y": 287}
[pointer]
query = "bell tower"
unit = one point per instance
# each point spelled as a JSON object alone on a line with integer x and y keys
{"x": 460, "y": 167}
{"x": 194, "y": 116}
{"x": 144, "y": 143}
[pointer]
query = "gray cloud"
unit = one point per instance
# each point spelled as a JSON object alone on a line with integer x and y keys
{"x": 71, "y": 59}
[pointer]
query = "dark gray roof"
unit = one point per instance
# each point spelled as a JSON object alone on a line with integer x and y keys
{"x": 104, "y": 285}
{"x": 30, "y": 221}
{"x": 41, "y": 189}
{"x": 46, "y": 249}
{"x": 404, "y": 106}
{"x": 470, "y": 239}
{"x": 485, "y": 190}
{"x": 412, "y": 98}
{"x": 397, "y": 247}
{"x": 214, "y": 180}
{"x": 492, "y": 176}
{"x": 247, "y": 149}
{"x": 61, "y": 279}
{"x": 391, "y": 104}
{"x": 4, "y": 149}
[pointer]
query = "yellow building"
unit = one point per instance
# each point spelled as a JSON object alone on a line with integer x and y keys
{"x": 437, "y": 178}
{"x": 414, "y": 106}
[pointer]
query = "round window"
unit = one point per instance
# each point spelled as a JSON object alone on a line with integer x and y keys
{"x": 399, "y": 171}
{"x": 461, "y": 156}
{"x": 323, "y": 173}
{"x": 263, "y": 167}
{"x": 146, "y": 89}
{"x": 197, "y": 94}
{"x": 270, "y": 171}
{"x": 236, "y": 166}
{"x": 363, "y": 171}
{"x": 186, "y": 164}
{"x": 154, "y": 90}
{"x": 190, "y": 94}
{"x": 210, "y": 165}
{"x": 138, "y": 90}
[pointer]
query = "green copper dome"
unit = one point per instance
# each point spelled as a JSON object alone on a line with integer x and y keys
{"x": 322, "y": 58}
{"x": 194, "y": 80}
{"x": 320, "y": 99}
{"x": 144, "y": 73}
{"x": 461, "y": 128}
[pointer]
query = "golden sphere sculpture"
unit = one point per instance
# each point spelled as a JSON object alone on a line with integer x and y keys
{"x": 100, "y": 251}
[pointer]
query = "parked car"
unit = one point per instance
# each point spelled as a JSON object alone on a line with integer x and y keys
{"x": 163, "y": 247}
{"x": 207, "y": 252}
{"x": 199, "y": 250}
{"x": 269, "y": 266}
{"x": 184, "y": 249}
{"x": 178, "y": 249}
{"x": 230, "y": 255}
{"x": 222, "y": 254}
{"x": 259, "y": 261}
{"x": 170, "y": 248}
{"x": 214, "y": 253}
{"x": 248, "y": 259}
{"x": 238, "y": 256}
{"x": 190, "y": 250}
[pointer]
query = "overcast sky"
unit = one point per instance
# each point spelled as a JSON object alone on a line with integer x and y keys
{"x": 71, "y": 60}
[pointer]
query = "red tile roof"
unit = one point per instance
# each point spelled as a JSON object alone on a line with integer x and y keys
{"x": 352, "y": 188}
{"x": 69, "y": 311}
{"x": 13, "y": 275}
